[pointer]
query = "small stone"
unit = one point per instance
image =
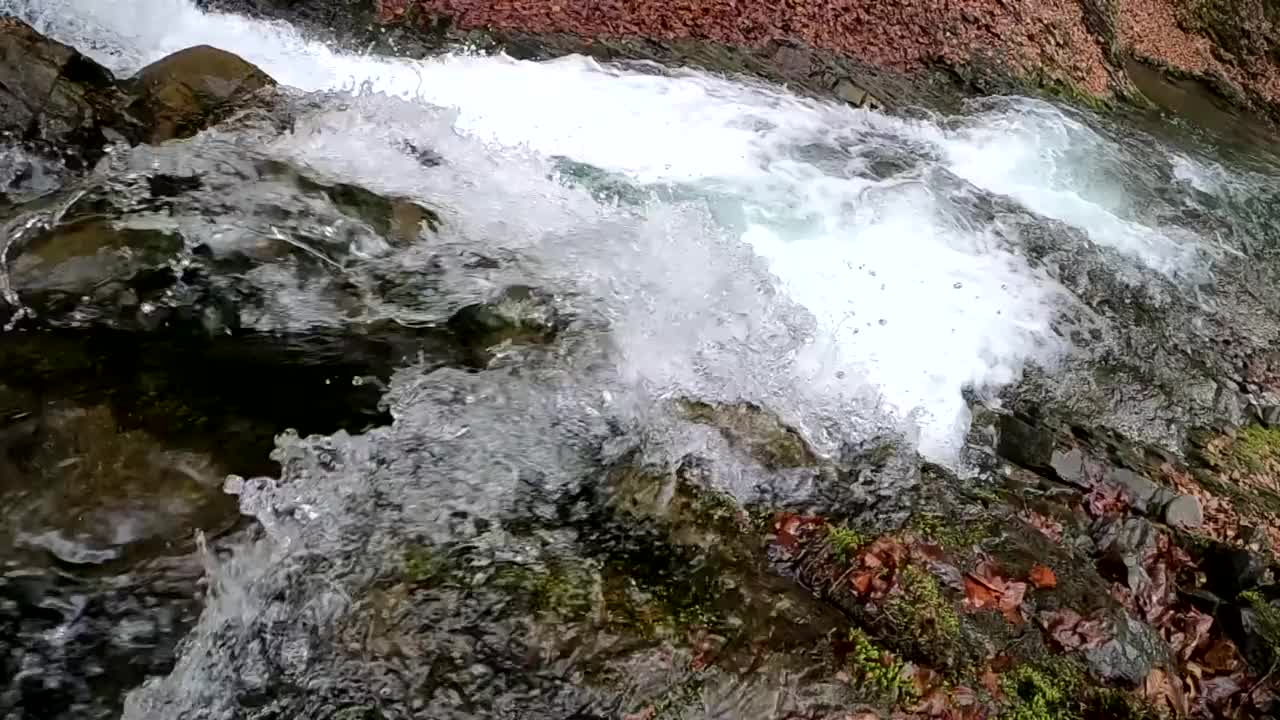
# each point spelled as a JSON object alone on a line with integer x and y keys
{"x": 1184, "y": 512}
{"x": 1140, "y": 489}
{"x": 1069, "y": 466}
{"x": 850, "y": 93}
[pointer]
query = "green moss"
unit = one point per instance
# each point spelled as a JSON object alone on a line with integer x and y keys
{"x": 565, "y": 589}
{"x": 935, "y": 527}
{"x": 422, "y": 565}
{"x": 844, "y": 541}
{"x": 1044, "y": 691}
{"x": 870, "y": 665}
{"x": 1256, "y": 447}
{"x": 1268, "y": 617}
{"x": 921, "y": 609}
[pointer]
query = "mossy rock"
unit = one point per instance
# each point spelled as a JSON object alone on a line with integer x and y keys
{"x": 193, "y": 89}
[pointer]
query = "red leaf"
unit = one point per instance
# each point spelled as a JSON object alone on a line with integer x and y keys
{"x": 1042, "y": 577}
{"x": 1072, "y": 632}
{"x": 1051, "y": 528}
{"x": 979, "y": 596}
{"x": 861, "y": 581}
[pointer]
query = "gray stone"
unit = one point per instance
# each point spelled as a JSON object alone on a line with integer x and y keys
{"x": 1185, "y": 512}
{"x": 1069, "y": 466}
{"x": 850, "y": 93}
{"x": 1139, "y": 488}
{"x": 1127, "y": 541}
{"x": 1130, "y": 654}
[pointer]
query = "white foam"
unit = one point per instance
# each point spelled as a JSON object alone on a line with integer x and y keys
{"x": 905, "y": 297}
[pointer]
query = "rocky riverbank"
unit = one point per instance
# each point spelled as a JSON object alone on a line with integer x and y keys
{"x": 1221, "y": 53}
{"x": 174, "y": 299}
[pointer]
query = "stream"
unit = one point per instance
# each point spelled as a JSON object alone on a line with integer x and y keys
{"x": 663, "y": 239}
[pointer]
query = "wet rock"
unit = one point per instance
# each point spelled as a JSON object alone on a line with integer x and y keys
{"x": 1125, "y": 542}
{"x": 193, "y": 89}
{"x": 55, "y": 97}
{"x": 92, "y": 269}
{"x": 74, "y": 644}
{"x": 1027, "y": 445}
{"x": 758, "y": 432}
{"x": 853, "y": 94}
{"x": 1144, "y": 495}
{"x": 1185, "y": 511}
{"x": 1129, "y": 654}
{"x": 1230, "y": 570}
{"x": 86, "y": 492}
{"x": 518, "y": 315}
{"x": 1070, "y": 467}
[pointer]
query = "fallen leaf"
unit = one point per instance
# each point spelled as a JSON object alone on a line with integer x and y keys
{"x": 984, "y": 588}
{"x": 991, "y": 683}
{"x": 1011, "y": 601}
{"x": 1223, "y": 657}
{"x": 979, "y": 596}
{"x": 1071, "y": 631}
{"x": 1042, "y": 577}
{"x": 861, "y": 581}
{"x": 1051, "y": 528}
{"x": 1106, "y": 499}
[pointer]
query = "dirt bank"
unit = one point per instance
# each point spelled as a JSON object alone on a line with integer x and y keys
{"x": 1071, "y": 46}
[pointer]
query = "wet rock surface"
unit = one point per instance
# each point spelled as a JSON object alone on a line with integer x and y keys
{"x": 539, "y": 552}
{"x": 56, "y": 98}
{"x": 191, "y": 89}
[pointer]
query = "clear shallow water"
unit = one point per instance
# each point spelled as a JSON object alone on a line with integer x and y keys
{"x": 852, "y": 271}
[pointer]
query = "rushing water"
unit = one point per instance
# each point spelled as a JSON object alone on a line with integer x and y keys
{"x": 854, "y": 272}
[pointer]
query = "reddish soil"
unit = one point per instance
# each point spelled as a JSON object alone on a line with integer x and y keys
{"x": 1165, "y": 31}
{"x": 1047, "y": 41}
{"x": 1028, "y": 34}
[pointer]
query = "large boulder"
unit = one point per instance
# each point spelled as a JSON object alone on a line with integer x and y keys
{"x": 192, "y": 89}
{"x": 52, "y": 95}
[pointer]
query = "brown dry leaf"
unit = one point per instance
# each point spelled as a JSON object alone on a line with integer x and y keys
{"x": 1187, "y": 632}
{"x": 789, "y": 527}
{"x": 1162, "y": 690}
{"x": 861, "y": 581}
{"x": 991, "y": 683}
{"x": 1051, "y": 528}
{"x": 1223, "y": 657}
{"x": 1011, "y": 601}
{"x": 1042, "y": 577}
{"x": 645, "y": 714}
{"x": 1071, "y": 631}
{"x": 890, "y": 550}
{"x": 979, "y": 596}
{"x": 1106, "y": 499}
{"x": 984, "y": 588}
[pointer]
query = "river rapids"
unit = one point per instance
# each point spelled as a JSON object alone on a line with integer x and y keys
{"x": 693, "y": 240}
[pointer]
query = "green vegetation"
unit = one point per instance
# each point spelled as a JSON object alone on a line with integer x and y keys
{"x": 932, "y": 526}
{"x": 1042, "y": 692}
{"x": 870, "y": 665}
{"x": 1256, "y": 448}
{"x": 422, "y": 565}
{"x": 1268, "y": 616}
{"x": 845, "y": 541}
{"x": 565, "y": 589}
{"x": 922, "y": 608}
